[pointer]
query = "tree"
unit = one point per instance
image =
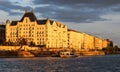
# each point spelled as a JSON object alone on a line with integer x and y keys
{"x": 23, "y": 41}
{"x": 32, "y": 43}
{"x": 115, "y": 46}
{"x": 111, "y": 43}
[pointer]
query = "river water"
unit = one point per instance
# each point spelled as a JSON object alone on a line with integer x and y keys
{"x": 107, "y": 63}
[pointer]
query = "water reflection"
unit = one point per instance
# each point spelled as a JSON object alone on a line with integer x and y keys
{"x": 109, "y": 63}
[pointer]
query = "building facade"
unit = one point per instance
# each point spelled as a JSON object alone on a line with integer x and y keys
{"x": 88, "y": 42}
{"x": 105, "y": 43}
{"x": 47, "y": 33}
{"x": 98, "y": 43}
{"x": 50, "y": 34}
{"x": 75, "y": 40}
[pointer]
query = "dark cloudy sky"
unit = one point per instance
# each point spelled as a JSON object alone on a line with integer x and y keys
{"x": 97, "y": 17}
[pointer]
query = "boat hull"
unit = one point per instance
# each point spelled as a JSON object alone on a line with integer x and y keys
{"x": 25, "y": 54}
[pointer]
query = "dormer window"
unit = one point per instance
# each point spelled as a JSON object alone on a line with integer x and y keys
{"x": 26, "y": 20}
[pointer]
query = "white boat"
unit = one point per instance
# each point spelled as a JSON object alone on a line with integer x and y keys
{"x": 67, "y": 54}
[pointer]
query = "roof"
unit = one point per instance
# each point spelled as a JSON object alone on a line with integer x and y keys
{"x": 13, "y": 23}
{"x": 41, "y": 21}
{"x": 51, "y": 22}
{"x": 74, "y": 30}
{"x": 31, "y": 16}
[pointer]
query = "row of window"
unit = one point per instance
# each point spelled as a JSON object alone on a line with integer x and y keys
{"x": 40, "y": 32}
{"x": 40, "y": 39}
{"x": 40, "y": 35}
{"x": 26, "y": 35}
{"x": 27, "y": 28}
{"x": 26, "y": 25}
{"x": 30, "y": 35}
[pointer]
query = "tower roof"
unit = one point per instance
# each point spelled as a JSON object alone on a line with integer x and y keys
{"x": 31, "y": 16}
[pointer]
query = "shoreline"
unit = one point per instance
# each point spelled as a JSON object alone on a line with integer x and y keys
{"x": 14, "y": 54}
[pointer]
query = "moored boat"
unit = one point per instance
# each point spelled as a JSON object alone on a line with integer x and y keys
{"x": 67, "y": 54}
{"x": 25, "y": 54}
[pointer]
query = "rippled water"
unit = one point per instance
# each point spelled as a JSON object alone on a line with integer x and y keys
{"x": 108, "y": 63}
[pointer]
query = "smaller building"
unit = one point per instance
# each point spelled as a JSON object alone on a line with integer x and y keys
{"x": 98, "y": 43}
{"x": 88, "y": 43}
{"x": 105, "y": 43}
{"x": 75, "y": 39}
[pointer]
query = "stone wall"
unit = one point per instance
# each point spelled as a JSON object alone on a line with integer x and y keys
{"x": 15, "y": 48}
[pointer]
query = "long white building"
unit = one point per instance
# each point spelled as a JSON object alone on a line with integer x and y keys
{"x": 50, "y": 34}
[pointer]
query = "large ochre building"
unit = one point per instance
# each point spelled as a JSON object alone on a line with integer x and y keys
{"x": 50, "y": 34}
{"x": 46, "y": 32}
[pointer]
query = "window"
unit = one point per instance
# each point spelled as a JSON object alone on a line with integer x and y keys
{"x": 26, "y": 20}
{"x": 37, "y": 42}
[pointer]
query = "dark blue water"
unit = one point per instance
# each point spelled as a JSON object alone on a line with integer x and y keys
{"x": 108, "y": 63}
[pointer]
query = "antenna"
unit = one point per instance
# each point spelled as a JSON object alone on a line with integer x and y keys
{"x": 25, "y": 10}
{"x": 32, "y": 10}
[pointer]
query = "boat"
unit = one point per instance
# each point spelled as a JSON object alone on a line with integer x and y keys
{"x": 67, "y": 54}
{"x": 25, "y": 54}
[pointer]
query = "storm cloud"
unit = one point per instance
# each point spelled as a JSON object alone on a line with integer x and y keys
{"x": 100, "y": 17}
{"x": 8, "y": 7}
{"x": 78, "y": 11}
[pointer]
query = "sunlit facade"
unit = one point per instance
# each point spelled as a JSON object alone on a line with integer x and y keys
{"x": 98, "y": 43}
{"x": 75, "y": 39}
{"x": 50, "y": 34}
{"x": 105, "y": 43}
{"x": 88, "y": 42}
{"x": 47, "y": 33}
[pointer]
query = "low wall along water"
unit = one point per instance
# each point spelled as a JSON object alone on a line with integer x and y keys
{"x": 15, "y": 48}
{"x": 44, "y": 51}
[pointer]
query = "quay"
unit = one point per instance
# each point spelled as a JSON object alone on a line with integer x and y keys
{"x": 26, "y": 51}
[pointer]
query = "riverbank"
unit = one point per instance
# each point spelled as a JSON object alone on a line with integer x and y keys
{"x": 38, "y": 53}
{"x": 92, "y": 53}
{"x": 26, "y": 51}
{"x": 8, "y": 54}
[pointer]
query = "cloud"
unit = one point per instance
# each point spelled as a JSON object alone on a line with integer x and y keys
{"x": 98, "y": 3}
{"x": 77, "y": 11}
{"x": 12, "y": 7}
{"x": 83, "y": 11}
{"x": 82, "y": 15}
